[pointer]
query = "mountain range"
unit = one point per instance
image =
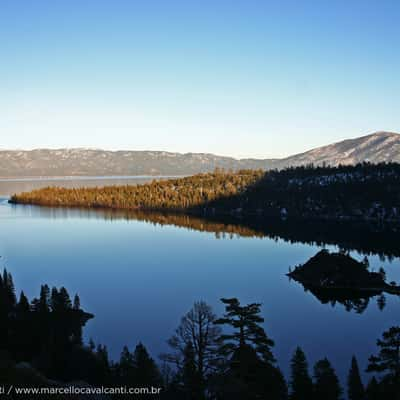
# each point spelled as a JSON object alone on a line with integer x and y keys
{"x": 374, "y": 148}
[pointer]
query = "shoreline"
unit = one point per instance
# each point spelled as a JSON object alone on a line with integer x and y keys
{"x": 213, "y": 213}
{"x": 83, "y": 177}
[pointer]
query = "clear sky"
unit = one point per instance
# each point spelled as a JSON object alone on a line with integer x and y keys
{"x": 235, "y": 77}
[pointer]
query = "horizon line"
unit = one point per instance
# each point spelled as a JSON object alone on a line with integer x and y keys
{"x": 88, "y": 148}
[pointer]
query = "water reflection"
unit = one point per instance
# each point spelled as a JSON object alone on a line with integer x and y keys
{"x": 350, "y": 299}
{"x": 365, "y": 238}
{"x": 155, "y": 264}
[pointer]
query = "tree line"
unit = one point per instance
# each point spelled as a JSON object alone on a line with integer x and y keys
{"x": 364, "y": 192}
{"x": 209, "y": 357}
{"x": 172, "y": 194}
{"x": 369, "y": 192}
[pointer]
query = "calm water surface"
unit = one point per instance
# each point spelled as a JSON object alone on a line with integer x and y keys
{"x": 139, "y": 278}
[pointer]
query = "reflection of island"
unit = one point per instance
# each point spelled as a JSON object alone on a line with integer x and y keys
{"x": 352, "y": 300}
{"x": 337, "y": 277}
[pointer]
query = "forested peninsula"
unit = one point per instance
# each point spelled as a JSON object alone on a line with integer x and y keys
{"x": 365, "y": 191}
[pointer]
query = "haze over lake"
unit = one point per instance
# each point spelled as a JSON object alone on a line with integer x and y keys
{"x": 139, "y": 278}
{"x": 9, "y": 186}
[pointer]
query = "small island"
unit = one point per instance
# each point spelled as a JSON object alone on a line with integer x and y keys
{"x": 338, "y": 272}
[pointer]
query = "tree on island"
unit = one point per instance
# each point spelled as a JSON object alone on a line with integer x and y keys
{"x": 355, "y": 388}
{"x": 300, "y": 383}
{"x": 77, "y": 302}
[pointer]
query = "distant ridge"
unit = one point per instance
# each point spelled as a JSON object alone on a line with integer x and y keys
{"x": 374, "y": 148}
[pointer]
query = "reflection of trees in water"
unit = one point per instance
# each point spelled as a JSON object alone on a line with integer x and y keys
{"x": 222, "y": 229}
{"x": 381, "y": 301}
{"x": 350, "y": 299}
{"x": 364, "y": 238}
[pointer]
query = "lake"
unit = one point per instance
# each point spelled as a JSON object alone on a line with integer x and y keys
{"x": 139, "y": 276}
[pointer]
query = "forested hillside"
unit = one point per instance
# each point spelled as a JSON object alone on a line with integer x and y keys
{"x": 176, "y": 194}
{"x": 365, "y": 191}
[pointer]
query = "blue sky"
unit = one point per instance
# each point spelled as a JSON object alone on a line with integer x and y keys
{"x": 241, "y": 78}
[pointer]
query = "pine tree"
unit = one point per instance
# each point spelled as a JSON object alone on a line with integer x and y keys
{"x": 102, "y": 354}
{"x": 382, "y": 273}
{"x": 355, "y": 388}
{"x": 65, "y": 300}
{"x": 388, "y": 359}
{"x": 44, "y": 299}
{"x": 92, "y": 345}
{"x": 245, "y": 320}
{"x": 146, "y": 370}
{"x": 301, "y": 383}
{"x": 373, "y": 391}
{"x": 54, "y": 300}
{"x": 77, "y": 303}
{"x": 326, "y": 382}
{"x": 10, "y": 298}
{"x": 23, "y": 306}
{"x": 60, "y": 300}
{"x": 125, "y": 366}
{"x": 250, "y": 371}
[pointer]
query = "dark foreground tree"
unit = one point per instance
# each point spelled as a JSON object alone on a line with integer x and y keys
{"x": 146, "y": 370}
{"x": 355, "y": 388}
{"x": 46, "y": 333}
{"x": 373, "y": 391}
{"x": 137, "y": 368}
{"x": 387, "y": 362}
{"x": 300, "y": 383}
{"x": 249, "y": 371}
{"x": 192, "y": 383}
{"x": 124, "y": 369}
{"x": 198, "y": 334}
{"x": 247, "y": 331}
{"x": 326, "y": 382}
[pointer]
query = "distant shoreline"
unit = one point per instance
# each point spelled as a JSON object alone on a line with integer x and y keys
{"x": 85, "y": 177}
